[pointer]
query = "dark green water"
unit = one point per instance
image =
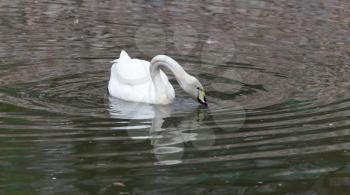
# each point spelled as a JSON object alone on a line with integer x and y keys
{"x": 277, "y": 75}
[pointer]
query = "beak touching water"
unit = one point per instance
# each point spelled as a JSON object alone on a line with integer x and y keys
{"x": 201, "y": 97}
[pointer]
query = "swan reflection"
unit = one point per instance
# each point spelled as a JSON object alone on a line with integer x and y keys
{"x": 167, "y": 137}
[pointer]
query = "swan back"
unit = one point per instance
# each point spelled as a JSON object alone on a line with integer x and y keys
{"x": 131, "y": 81}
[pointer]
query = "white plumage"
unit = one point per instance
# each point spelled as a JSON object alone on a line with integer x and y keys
{"x": 142, "y": 81}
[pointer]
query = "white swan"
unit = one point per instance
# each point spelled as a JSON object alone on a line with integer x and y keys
{"x": 142, "y": 81}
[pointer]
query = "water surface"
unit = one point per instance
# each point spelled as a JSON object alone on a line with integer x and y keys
{"x": 277, "y": 79}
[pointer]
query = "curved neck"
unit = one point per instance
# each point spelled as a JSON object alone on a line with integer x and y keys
{"x": 180, "y": 74}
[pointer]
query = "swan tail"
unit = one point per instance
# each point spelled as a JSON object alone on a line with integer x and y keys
{"x": 123, "y": 56}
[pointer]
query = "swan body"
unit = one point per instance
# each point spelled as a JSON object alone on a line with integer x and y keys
{"x": 138, "y": 80}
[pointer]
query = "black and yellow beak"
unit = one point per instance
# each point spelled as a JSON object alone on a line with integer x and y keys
{"x": 201, "y": 97}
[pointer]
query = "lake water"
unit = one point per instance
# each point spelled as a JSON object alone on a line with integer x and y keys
{"x": 277, "y": 76}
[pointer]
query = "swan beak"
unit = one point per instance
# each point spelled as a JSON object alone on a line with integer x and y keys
{"x": 201, "y": 98}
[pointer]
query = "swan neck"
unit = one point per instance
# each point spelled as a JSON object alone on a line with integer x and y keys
{"x": 165, "y": 61}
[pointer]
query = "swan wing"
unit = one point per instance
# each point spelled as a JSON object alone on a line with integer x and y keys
{"x": 131, "y": 80}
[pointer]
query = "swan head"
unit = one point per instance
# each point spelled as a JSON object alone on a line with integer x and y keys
{"x": 201, "y": 97}
{"x": 196, "y": 90}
